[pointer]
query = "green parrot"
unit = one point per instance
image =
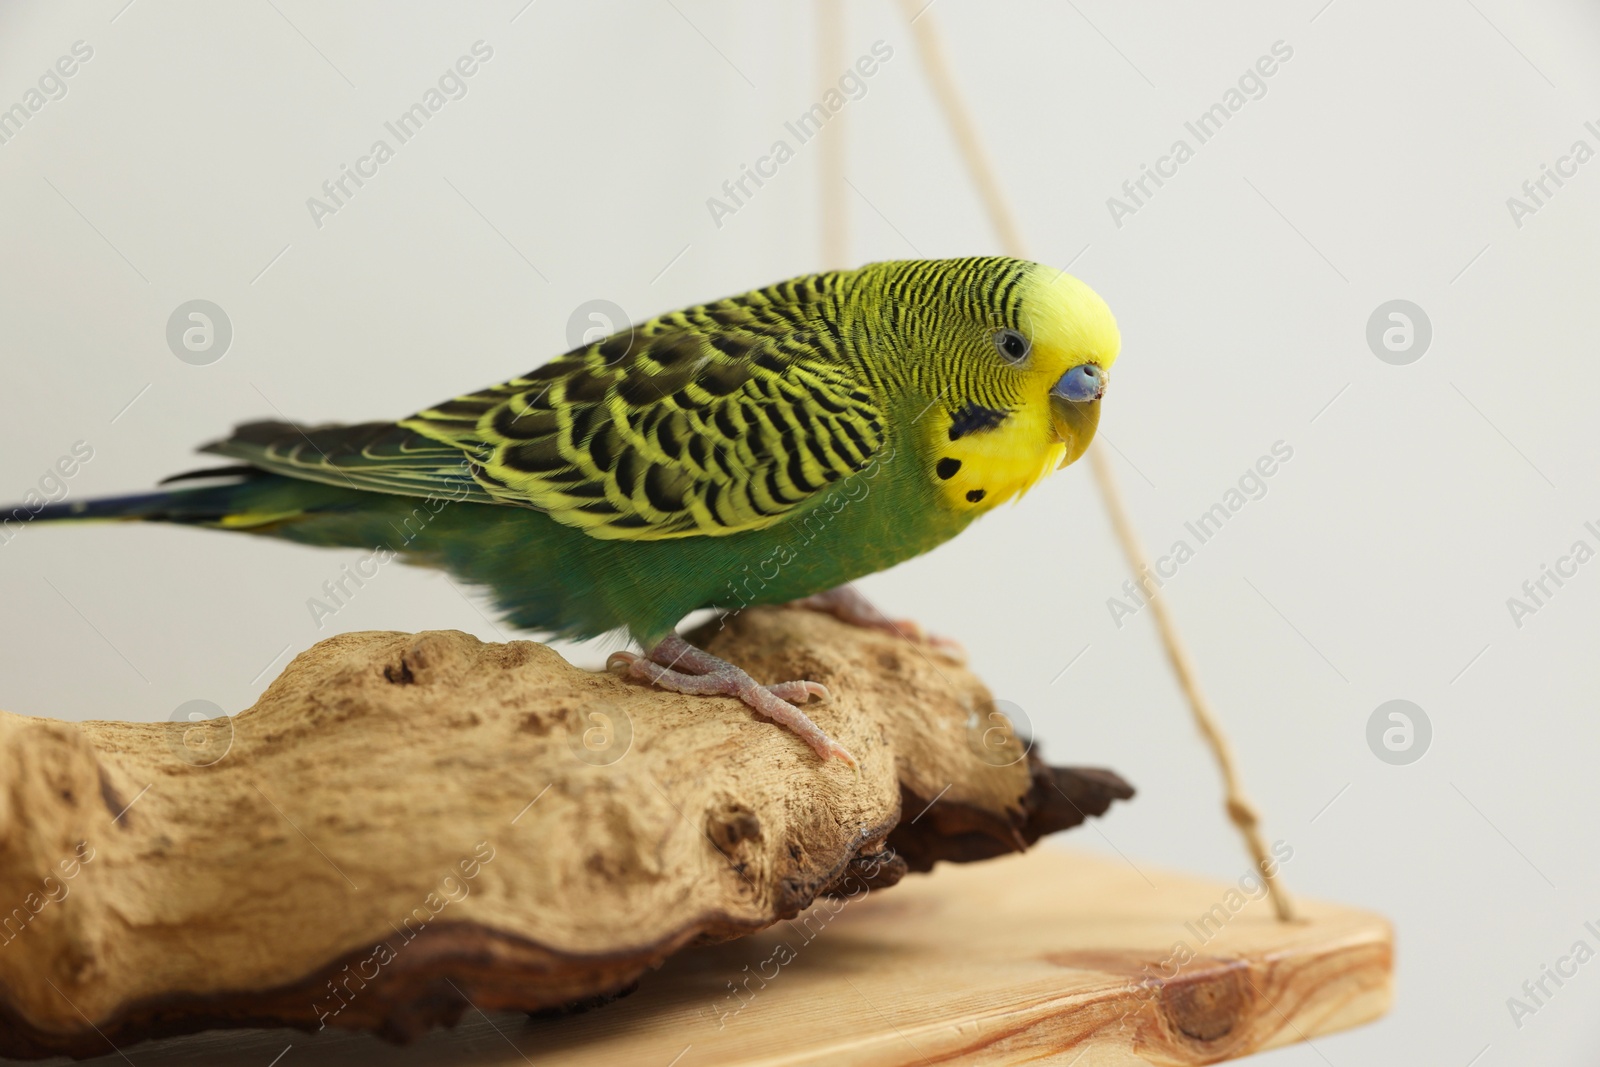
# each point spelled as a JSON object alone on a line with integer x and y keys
{"x": 761, "y": 449}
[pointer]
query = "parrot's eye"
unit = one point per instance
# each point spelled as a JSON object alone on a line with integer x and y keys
{"x": 1012, "y": 345}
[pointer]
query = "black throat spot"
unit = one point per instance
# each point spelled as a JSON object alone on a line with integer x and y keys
{"x": 973, "y": 418}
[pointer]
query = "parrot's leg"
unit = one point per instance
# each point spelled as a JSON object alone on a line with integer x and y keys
{"x": 676, "y": 665}
{"x": 846, "y": 604}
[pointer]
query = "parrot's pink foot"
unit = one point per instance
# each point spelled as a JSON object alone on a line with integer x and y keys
{"x": 676, "y": 665}
{"x": 848, "y": 605}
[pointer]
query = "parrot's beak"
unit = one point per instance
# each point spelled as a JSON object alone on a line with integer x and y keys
{"x": 1075, "y": 408}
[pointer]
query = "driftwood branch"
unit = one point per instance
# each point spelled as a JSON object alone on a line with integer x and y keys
{"x": 404, "y": 825}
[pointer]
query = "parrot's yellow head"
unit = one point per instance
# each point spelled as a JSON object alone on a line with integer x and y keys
{"x": 1073, "y": 341}
{"x": 1024, "y": 354}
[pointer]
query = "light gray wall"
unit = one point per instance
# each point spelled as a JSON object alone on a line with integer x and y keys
{"x": 577, "y": 166}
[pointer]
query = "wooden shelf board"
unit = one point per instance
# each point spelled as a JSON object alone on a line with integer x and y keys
{"x": 1048, "y": 957}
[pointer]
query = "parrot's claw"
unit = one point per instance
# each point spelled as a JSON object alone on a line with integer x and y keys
{"x": 847, "y": 605}
{"x": 799, "y": 692}
{"x": 676, "y": 665}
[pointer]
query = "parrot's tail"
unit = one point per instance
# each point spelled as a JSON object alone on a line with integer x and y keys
{"x": 539, "y": 571}
{"x": 239, "y": 498}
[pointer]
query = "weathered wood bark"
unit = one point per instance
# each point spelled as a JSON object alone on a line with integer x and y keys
{"x": 406, "y": 824}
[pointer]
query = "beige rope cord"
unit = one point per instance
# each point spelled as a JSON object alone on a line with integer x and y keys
{"x": 831, "y": 150}
{"x": 1240, "y": 810}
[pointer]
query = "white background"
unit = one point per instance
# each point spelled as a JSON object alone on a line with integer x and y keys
{"x": 578, "y": 166}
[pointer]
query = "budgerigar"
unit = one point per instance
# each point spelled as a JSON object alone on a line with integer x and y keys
{"x": 760, "y": 449}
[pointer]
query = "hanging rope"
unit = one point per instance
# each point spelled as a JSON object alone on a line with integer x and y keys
{"x": 830, "y": 161}
{"x": 1240, "y": 810}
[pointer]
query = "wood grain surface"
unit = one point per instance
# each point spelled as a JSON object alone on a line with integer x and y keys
{"x": 1050, "y": 957}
